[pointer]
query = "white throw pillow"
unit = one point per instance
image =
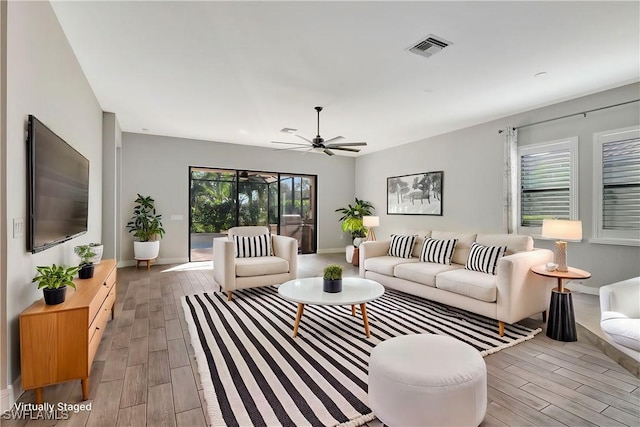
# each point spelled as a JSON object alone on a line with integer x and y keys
{"x": 401, "y": 246}
{"x": 252, "y": 246}
{"x": 484, "y": 258}
{"x": 438, "y": 251}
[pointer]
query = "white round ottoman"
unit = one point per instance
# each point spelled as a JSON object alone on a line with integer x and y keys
{"x": 427, "y": 380}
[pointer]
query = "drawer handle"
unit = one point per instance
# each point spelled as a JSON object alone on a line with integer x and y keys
{"x": 97, "y": 329}
{"x": 104, "y": 284}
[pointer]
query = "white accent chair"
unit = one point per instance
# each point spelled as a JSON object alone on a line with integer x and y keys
{"x": 232, "y": 273}
{"x": 620, "y": 315}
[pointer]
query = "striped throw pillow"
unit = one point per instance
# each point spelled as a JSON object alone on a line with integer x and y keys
{"x": 438, "y": 251}
{"x": 252, "y": 246}
{"x": 401, "y": 246}
{"x": 484, "y": 258}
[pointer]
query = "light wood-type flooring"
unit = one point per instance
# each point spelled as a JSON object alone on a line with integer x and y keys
{"x": 145, "y": 372}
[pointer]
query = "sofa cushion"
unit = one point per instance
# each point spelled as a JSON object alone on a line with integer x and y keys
{"x": 481, "y": 286}
{"x": 401, "y": 245}
{"x": 465, "y": 240}
{"x": 513, "y": 242}
{"x": 252, "y": 246}
{"x": 621, "y": 329}
{"x": 422, "y": 272}
{"x": 484, "y": 258}
{"x": 385, "y": 264}
{"x": 261, "y": 266}
{"x": 438, "y": 251}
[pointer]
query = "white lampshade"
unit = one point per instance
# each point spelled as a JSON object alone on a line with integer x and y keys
{"x": 562, "y": 229}
{"x": 371, "y": 221}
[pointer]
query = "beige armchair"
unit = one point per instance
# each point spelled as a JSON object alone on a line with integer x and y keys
{"x": 232, "y": 273}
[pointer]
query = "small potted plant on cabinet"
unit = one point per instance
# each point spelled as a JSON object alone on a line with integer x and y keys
{"x": 146, "y": 226}
{"x": 332, "y": 278}
{"x": 86, "y": 266}
{"x": 53, "y": 280}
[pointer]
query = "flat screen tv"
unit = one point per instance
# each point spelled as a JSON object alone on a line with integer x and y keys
{"x": 58, "y": 189}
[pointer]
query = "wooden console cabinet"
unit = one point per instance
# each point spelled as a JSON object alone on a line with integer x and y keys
{"x": 58, "y": 342}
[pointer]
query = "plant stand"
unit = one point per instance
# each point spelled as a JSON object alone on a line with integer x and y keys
{"x": 148, "y": 261}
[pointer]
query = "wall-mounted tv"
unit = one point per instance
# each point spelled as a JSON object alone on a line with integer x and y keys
{"x": 58, "y": 189}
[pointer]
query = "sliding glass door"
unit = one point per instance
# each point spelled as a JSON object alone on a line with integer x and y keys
{"x": 223, "y": 198}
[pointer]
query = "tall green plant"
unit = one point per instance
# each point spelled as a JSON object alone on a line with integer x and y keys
{"x": 145, "y": 224}
{"x": 352, "y": 217}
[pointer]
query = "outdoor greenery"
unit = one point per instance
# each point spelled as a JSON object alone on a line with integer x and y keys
{"x": 85, "y": 254}
{"x": 145, "y": 224}
{"x": 352, "y": 217}
{"x": 332, "y": 272}
{"x": 55, "y": 276}
{"x": 218, "y": 196}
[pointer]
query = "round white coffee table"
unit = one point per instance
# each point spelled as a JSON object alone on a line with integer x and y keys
{"x": 355, "y": 290}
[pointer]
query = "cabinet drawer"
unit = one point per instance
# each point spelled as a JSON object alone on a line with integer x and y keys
{"x": 102, "y": 317}
{"x": 97, "y": 301}
{"x": 111, "y": 280}
{"x": 99, "y": 324}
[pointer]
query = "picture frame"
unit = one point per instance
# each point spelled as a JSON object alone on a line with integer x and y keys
{"x": 415, "y": 194}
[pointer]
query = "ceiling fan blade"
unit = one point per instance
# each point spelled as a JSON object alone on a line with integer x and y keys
{"x": 347, "y": 144}
{"x": 292, "y": 148}
{"x": 302, "y": 137}
{"x": 353, "y": 150}
{"x": 335, "y": 138}
{"x": 328, "y": 152}
{"x": 289, "y": 143}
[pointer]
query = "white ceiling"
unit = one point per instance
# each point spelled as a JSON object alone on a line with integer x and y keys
{"x": 239, "y": 72}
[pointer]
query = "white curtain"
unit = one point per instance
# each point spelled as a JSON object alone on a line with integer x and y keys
{"x": 510, "y": 181}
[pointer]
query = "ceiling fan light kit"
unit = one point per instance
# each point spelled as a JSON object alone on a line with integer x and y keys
{"x": 320, "y": 143}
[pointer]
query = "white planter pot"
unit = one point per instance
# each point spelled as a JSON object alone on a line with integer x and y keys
{"x": 98, "y": 251}
{"x": 146, "y": 250}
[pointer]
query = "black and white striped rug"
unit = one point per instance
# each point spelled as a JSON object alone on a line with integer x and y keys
{"x": 254, "y": 373}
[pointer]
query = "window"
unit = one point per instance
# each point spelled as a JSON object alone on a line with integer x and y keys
{"x": 616, "y": 186}
{"x": 547, "y": 182}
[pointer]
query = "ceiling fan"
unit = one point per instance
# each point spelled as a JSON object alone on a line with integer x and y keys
{"x": 320, "y": 143}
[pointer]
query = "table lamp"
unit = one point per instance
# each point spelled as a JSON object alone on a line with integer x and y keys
{"x": 562, "y": 230}
{"x": 370, "y": 222}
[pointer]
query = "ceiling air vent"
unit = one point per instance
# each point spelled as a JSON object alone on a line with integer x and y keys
{"x": 429, "y": 46}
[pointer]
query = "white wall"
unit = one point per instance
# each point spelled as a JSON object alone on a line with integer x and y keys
{"x": 4, "y": 391}
{"x": 159, "y": 167}
{"x": 472, "y": 161}
{"x": 43, "y": 78}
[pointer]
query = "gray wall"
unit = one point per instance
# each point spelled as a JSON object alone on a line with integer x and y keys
{"x": 111, "y": 144}
{"x": 43, "y": 78}
{"x": 159, "y": 166}
{"x": 472, "y": 161}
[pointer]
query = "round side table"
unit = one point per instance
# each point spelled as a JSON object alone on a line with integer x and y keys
{"x": 562, "y": 323}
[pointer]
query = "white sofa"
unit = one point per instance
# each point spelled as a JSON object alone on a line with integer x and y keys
{"x": 511, "y": 295}
{"x": 620, "y": 315}
{"x": 232, "y": 273}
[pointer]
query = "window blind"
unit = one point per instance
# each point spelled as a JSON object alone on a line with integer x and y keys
{"x": 621, "y": 185}
{"x": 545, "y": 183}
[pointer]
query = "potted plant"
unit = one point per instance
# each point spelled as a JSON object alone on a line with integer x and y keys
{"x": 352, "y": 219}
{"x": 98, "y": 248}
{"x": 86, "y": 266}
{"x": 146, "y": 226}
{"x": 332, "y": 278}
{"x": 53, "y": 280}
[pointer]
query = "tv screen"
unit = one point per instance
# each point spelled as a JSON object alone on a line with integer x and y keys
{"x": 58, "y": 199}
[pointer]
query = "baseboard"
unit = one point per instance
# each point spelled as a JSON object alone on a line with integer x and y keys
{"x": 5, "y": 400}
{"x": 159, "y": 261}
{"x": 10, "y": 395}
{"x": 579, "y": 287}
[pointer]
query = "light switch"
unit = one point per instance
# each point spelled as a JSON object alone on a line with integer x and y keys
{"x": 177, "y": 217}
{"x": 18, "y": 227}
